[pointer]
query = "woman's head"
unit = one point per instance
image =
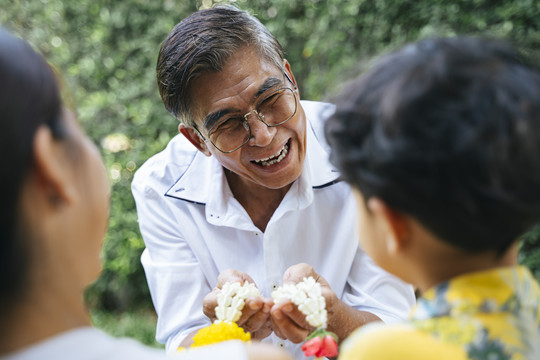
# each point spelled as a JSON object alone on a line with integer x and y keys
{"x": 447, "y": 131}
{"x": 52, "y": 181}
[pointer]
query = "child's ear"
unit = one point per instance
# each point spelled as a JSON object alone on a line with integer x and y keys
{"x": 394, "y": 222}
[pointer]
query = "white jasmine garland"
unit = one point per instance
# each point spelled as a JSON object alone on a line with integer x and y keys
{"x": 231, "y": 300}
{"x": 307, "y": 296}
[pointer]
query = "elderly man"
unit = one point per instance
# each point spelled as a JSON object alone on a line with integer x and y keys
{"x": 246, "y": 192}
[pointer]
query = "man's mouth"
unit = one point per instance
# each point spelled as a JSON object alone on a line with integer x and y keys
{"x": 274, "y": 159}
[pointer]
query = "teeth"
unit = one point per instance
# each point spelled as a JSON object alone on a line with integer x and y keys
{"x": 275, "y": 158}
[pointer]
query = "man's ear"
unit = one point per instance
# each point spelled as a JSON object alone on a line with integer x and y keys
{"x": 194, "y": 138}
{"x": 52, "y": 172}
{"x": 396, "y": 224}
{"x": 289, "y": 72}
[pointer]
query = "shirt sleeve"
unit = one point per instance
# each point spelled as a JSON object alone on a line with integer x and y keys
{"x": 175, "y": 278}
{"x": 372, "y": 289}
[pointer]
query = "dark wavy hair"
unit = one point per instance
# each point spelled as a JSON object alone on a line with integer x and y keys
{"x": 29, "y": 98}
{"x": 447, "y": 130}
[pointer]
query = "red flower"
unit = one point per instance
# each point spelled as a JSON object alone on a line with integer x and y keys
{"x": 329, "y": 348}
{"x": 320, "y": 343}
{"x": 313, "y": 346}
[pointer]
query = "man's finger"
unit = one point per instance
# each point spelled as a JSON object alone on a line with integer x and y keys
{"x": 285, "y": 326}
{"x": 290, "y": 310}
{"x": 252, "y": 306}
{"x": 258, "y": 319}
{"x": 210, "y": 303}
{"x": 231, "y": 275}
{"x": 263, "y": 332}
{"x": 297, "y": 273}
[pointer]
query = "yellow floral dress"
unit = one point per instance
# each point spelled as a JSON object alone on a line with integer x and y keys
{"x": 488, "y": 315}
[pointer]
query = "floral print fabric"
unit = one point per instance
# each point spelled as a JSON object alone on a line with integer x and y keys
{"x": 488, "y": 315}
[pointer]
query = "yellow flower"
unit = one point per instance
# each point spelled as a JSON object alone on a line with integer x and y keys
{"x": 452, "y": 330}
{"x": 476, "y": 288}
{"x": 220, "y": 331}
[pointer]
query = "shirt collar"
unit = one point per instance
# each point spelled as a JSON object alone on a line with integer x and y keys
{"x": 204, "y": 180}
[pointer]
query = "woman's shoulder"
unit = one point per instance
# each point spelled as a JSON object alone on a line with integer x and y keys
{"x": 86, "y": 343}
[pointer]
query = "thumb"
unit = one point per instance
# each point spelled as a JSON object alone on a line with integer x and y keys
{"x": 297, "y": 273}
{"x": 231, "y": 276}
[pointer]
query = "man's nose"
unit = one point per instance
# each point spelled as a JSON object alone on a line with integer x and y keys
{"x": 261, "y": 135}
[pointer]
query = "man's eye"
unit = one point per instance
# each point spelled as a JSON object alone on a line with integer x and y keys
{"x": 227, "y": 124}
{"x": 270, "y": 100}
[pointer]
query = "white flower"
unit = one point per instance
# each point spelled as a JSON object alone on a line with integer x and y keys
{"x": 231, "y": 300}
{"x": 307, "y": 296}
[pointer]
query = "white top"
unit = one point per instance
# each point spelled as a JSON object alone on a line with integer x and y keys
{"x": 194, "y": 228}
{"x": 88, "y": 343}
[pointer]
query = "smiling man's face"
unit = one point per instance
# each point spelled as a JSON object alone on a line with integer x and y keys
{"x": 273, "y": 156}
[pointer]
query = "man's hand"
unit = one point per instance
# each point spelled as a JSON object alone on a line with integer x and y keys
{"x": 287, "y": 321}
{"x": 256, "y": 312}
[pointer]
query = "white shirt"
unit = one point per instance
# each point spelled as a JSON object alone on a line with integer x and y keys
{"x": 194, "y": 228}
{"x": 88, "y": 343}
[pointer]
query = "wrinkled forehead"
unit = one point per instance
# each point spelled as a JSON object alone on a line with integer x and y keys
{"x": 243, "y": 79}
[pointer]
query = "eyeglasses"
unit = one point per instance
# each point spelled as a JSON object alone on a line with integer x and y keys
{"x": 273, "y": 109}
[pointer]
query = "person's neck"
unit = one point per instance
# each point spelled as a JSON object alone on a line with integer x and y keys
{"x": 40, "y": 315}
{"x": 441, "y": 267}
{"x": 259, "y": 202}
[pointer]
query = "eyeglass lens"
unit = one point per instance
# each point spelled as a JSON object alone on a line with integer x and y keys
{"x": 274, "y": 109}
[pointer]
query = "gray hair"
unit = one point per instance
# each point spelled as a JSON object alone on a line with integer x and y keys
{"x": 202, "y": 43}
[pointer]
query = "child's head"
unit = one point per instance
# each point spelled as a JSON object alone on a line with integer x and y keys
{"x": 447, "y": 131}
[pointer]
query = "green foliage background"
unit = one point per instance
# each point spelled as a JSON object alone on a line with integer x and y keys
{"x": 106, "y": 51}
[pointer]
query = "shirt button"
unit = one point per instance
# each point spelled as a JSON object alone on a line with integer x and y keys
{"x": 275, "y": 286}
{"x": 256, "y": 234}
{"x": 281, "y": 344}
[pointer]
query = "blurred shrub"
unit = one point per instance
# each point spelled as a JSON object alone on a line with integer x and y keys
{"x": 140, "y": 325}
{"x": 107, "y": 51}
{"x": 530, "y": 251}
